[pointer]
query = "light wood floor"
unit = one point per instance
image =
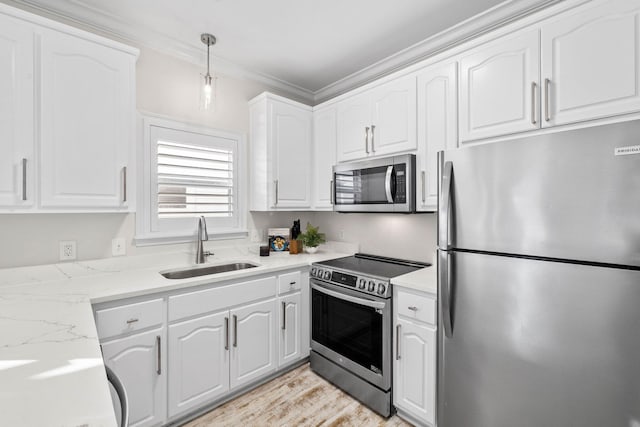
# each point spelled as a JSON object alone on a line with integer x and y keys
{"x": 298, "y": 398}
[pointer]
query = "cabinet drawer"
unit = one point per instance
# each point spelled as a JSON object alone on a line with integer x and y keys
{"x": 128, "y": 318}
{"x": 220, "y": 298}
{"x": 419, "y": 307}
{"x": 289, "y": 282}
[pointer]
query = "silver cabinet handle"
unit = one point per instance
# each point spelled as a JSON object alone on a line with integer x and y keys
{"x": 24, "y": 179}
{"x": 534, "y": 86}
{"x": 226, "y": 333}
{"x": 235, "y": 330}
{"x": 366, "y": 139}
{"x": 373, "y": 128}
{"x": 130, "y": 321}
{"x": 413, "y": 308}
{"x": 276, "y": 183}
{"x": 547, "y": 94}
{"x": 398, "y": 327}
{"x": 292, "y": 283}
{"x": 331, "y": 191}
{"x": 124, "y": 183}
{"x": 424, "y": 191}
{"x": 159, "y": 359}
{"x": 284, "y": 315}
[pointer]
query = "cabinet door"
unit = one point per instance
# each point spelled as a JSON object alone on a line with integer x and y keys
{"x": 591, "y": 62}
{"x": 290, "y": 317}
{"x": 415, "y": 370}
{"x": 354, "y": 126}
{"x": 87, "y": 118}
{"x": 437, "y": 127}
{"x": 499, "y": 87}
{"x": 137, "y": 360}
{"x": 253, "y": 351}
{"x": 198, "y": 361}
{"x": 324, "y": 157}
{"x": 291, "y": 139}
{"x": 16, "y": 113}
{"x": 394, "y": 117}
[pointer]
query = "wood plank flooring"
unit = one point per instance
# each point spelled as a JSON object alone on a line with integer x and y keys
{"x": 298, "y": 398}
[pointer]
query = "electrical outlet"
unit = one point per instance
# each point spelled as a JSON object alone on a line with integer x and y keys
{"x": 67, "y": 250}
{"x": 118, "y": 246}
{"x": 341, "y": 235}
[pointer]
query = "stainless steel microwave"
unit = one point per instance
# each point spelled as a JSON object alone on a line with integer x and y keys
{"x": 380, "y": 185}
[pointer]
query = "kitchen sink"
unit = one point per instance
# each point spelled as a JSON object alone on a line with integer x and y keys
{"x": 185, "y": 273}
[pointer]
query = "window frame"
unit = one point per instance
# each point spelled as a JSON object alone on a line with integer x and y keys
{"x": 151, "y": 230}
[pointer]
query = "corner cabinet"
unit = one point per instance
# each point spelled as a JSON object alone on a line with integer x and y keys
{"x": 380, "y": 121}
{"x": 437, "y": 127}
{"x": 280, "y": 154}
{"x": 67, "y": 136}
{"x": 414, "y": 367}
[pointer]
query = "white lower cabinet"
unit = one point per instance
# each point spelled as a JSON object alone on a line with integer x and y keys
{"x": 414, "y": 369}
{"x": 139, "y": 363}
{"x": 198, "y": 361}
{"x": 253, "y": 351}
{"x": 290, "y": 348}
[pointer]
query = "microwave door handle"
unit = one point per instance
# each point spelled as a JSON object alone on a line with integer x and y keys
{"x": 387, "y": 184}
{"x": 355, "y": 300}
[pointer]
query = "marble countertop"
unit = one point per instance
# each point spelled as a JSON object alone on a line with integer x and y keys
{"x": 424, "y": 280}
{"x": 51, "y": 370}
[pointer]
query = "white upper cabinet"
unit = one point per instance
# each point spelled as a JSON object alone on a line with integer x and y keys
{"x": 87, "y": 113}
{"x": 280, "y": 154}
{"x": 16, "y": 114}
{"x": 324, "y": 157}
{"x": 591, "y": 62}
{"x": 437, "y": 127}
{"x": 499, "y": 83}
{"x": 380, "y": 121}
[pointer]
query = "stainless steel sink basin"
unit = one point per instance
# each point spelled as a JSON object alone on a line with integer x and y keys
{"x": 185, "y": 273}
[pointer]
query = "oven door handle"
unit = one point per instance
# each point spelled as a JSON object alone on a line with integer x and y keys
{"x": 356, "y": 300}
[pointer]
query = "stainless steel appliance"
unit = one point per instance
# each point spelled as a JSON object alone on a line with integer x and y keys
{"x": 351, "y": 324}
{"x": 539, "y": 281}
{"x": 381, "y": 185}
{"x": 118, "y": 398}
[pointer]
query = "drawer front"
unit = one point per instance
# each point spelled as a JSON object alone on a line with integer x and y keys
{"x": 220, "y": 298}
{"x": 418, "y": 307}
{"x": 289, "y": 282}
{"x": 125, "y": 319}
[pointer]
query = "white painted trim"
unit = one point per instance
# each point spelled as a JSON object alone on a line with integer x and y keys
{"x": 504, "y": 13}
{"x": 268, "y": 95}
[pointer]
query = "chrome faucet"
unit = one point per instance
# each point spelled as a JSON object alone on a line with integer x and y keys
{"x": 202, "y": 236}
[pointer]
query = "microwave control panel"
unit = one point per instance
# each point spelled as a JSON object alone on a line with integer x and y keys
{"x": 401, "y": 183}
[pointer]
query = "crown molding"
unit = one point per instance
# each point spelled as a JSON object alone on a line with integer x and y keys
{"x": 84, "y": 16}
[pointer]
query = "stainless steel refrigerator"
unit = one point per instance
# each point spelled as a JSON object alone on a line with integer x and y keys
{"x": 539, "y": 281}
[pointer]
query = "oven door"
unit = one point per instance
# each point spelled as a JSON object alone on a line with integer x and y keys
{"x": 353, "y": 330}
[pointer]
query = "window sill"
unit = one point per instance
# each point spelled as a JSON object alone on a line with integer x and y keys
{"x": 170, "y": 239}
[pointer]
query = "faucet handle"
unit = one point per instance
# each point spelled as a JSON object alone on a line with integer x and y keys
{"x": 208, "y": 253}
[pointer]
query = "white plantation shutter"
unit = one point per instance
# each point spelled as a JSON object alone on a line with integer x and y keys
{"x": 190, "y": 171}
{"x": 194, "y": 180}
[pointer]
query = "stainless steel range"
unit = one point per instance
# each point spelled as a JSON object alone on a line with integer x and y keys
{"x": 351, "y": 324}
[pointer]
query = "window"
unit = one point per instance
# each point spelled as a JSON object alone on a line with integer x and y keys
{"x": 190, "y": 171}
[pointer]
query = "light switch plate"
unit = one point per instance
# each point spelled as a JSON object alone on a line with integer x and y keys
{"x": 118, "y": 246}
{"x": 67, "y": 250}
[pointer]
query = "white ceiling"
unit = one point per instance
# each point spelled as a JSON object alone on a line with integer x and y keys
{"x": 305, "y": 44}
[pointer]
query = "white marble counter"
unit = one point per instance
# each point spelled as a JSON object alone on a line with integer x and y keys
{"x": 51, "y": 370}
{"x": 424, "y": 280}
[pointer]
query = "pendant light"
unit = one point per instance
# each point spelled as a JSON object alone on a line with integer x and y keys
{"x": 207, "y": 94}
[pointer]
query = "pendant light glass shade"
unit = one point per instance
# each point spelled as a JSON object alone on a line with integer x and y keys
{"x": 208, "y": 89}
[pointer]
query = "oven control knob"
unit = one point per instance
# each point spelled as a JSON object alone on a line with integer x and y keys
{"x": 327, "y": 275}
{"x": 381, "y": 288}
{"x": 319, "y": 273}
{"x": 372, "y": 286}
{"x": 362, "y": 283}
{"x": 313, "y": 271}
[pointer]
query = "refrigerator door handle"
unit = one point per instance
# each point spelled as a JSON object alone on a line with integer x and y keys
{"x": 444, "y": 207}
{"x": 444, "y": 277}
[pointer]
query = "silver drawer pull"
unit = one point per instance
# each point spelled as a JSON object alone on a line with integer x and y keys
{"x": 292, "y": 283}
{"x": 130, "y": 321}
{"x": 413, "y": 308}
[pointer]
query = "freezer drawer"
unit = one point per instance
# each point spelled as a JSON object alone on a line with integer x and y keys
{"x": 539, "y": 343}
